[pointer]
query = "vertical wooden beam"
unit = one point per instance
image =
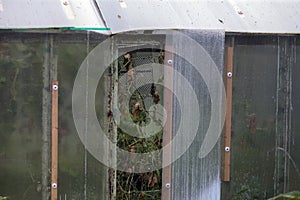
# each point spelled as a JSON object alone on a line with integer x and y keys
{"x": 115, "y": 102}
{"x": 167, "y": 135}
{"x": 54, "y": 140}
{"x": 112, "y": 126}
{"x": 227, "y": 137}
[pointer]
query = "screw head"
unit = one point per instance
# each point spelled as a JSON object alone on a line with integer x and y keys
{"x": 227, "y": 149}
{"x": 54, "y": 185}
{"x": 170, "y": 62}
{"x": 229, "y": 74}
{"x": 55, "y": 87}
{"x": 168, "y": 185}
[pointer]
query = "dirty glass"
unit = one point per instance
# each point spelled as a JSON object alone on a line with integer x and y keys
{"x": 265, "y": 137}
{"x": 195, "y": 177}
{"x": 80, "y": 175}
{"x": 21, "y": 85}
{"x": 253, "y": 118}
{"x": 29, "y": 62}
{"x": 294, "y": 165}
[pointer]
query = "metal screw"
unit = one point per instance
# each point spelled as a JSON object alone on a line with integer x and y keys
{"x": 229, "y": 74}
{"x": 54, "y": 185}
{"x": 227, "y": 149}
{"x": 55, "y": 87}
{"x": 170, "y": 62}
{"x": 168, "y": 185}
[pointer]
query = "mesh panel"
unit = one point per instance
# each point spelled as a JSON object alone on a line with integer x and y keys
{"x": 141, "y": 75}
{"x": 144, "y": 185}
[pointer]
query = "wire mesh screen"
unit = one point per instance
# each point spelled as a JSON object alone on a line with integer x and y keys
{"x": 135, "y": 70}
{"x": 142, "y": 74}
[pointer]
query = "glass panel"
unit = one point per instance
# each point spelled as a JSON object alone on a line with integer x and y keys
{"x": 253, "y": 118}
{"x": 80, "y": 175}
{"x": 294, "y": 165}
{"x": 28, "y": 64}
{"x": 21, "y": 85}
{"x": 195, "y": 177}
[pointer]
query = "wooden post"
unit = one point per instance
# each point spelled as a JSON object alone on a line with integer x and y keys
{"x": 227, "y": 137}
{"x": 54, "y": 183}
{"x": 167, "y": 135}
{"x": 114, "y": 134}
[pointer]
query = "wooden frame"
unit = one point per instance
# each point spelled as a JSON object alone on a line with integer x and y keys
{"x": 167, "y": 132}
{"x": 227, "y": 136}
{"x": 54, "y": 130}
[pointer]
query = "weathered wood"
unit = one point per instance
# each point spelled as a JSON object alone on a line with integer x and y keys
{"x": 54, "y": 131}
{"x": 112, "y": 126}
{"x": 114, "y": 134}
{"x": 227, "y": 137}
{"x": 167, "y": 135}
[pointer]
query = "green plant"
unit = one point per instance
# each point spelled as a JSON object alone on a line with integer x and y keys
{"x": 295, "y": 195}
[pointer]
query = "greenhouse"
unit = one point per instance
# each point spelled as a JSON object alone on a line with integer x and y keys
{"x": 149, "y": 100}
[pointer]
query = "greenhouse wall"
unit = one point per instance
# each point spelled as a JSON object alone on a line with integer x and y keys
{"x": 264, "y": 159}
{"x": 265, "y": 140}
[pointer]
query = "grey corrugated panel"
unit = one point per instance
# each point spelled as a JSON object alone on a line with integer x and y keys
{"x": 245, "y": 16}
{"x": 22, "y": 14}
